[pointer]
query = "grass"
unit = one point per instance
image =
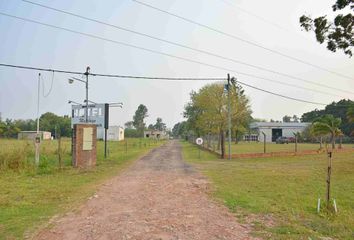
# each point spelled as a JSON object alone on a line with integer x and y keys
{"x": 284, "y": 190}
{"x": 30, "y": 196}
{"x": 258, "y": 147}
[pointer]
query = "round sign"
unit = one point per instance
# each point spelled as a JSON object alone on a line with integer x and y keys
{"x": 199, "y": 141}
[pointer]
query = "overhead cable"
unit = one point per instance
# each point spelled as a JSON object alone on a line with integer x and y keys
{"x": 243, "y": 40}
{"x": 205, "y": 52}
{"x": 163, "y": 53}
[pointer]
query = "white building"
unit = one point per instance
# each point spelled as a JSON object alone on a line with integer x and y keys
{"x": 273, "y": 130}
{"x": 155, "y": 134}
{"x": 114, "y": 133}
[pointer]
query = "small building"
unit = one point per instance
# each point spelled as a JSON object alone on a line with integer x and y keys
{"x": 274, "y": 130}
{"x": 31, "y": 135}
{"x": 155, "y": 134}
{"x": 114, "y": 133}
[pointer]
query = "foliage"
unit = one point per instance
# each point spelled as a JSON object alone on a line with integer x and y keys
{"x": 207, "y": 112}
{"x": 138, "y": 118}
{"x": 159, "y": 125}
{"x": 338, "y": 110}
{"x": 55, "y": 124}
{"x": 131, "y": 133}
{"x": 327, "y": 124}
{"x": 180, "y": 130}
{"x": 337, "y": 33}
{"x": 9, "y": 129}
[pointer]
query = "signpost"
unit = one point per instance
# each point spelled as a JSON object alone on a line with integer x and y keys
{"x": 199, "y": 141}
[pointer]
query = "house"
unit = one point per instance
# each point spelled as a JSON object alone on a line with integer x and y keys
{"x": 31, "y": 135}
{"x": 274, "y": 130}
{"x": 155, "y": 134}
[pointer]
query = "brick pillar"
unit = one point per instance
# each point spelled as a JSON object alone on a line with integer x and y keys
{"x": 84, "y": 145}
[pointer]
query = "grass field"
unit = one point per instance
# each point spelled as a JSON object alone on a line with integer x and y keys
{"x": 29, "y": 196}
{"x": 258, "y": 147}
{"x": 279, "y": 195}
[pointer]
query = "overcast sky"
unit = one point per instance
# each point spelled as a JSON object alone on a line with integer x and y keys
{"x": 273, "y": 24}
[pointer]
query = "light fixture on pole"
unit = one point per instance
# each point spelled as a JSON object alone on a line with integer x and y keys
{"x": 72, "y": 79}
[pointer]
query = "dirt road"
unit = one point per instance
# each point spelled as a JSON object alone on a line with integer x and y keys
{"x": 159, "y": 197}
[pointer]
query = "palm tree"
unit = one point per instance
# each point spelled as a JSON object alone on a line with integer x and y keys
{"x": 350, "y": 116}
{"x": 327, "y": 124}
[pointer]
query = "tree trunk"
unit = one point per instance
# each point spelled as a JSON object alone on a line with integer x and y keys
{"x": 222, "y": 142}
{"x": 219, "y": 142}
{"x": 333, "y": 138}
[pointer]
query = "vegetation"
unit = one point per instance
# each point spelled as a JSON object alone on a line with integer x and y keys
{"x": 339, "y": 109}
{"x": 337, "y": 33}
{"x": 29, "y": 196}
{"x": 327, "y": 124}
{"x": 47, "y": 122}
{"x": 207, "y": 112}
{"x": 279, "y": 195}
{"x": 138, "y": 119}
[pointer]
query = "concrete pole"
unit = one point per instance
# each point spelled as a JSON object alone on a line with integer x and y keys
{"x": 86, "y": 110}
{"x": 229, "y": 112}
{"x": 37, "y": 135}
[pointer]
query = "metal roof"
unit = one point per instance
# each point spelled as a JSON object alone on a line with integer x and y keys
{"x": 279, "y": 124}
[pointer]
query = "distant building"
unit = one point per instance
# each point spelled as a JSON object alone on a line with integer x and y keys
{"x": 155, "y": 134}
{"x": 114, "y": 133}
{"x": 31, "y": 135}
{"x": 273, "y": 130}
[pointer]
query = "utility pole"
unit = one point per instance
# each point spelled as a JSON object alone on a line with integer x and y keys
{"x": 37, "y": 139}
{"x": 229, "y": 112}
{"x": 86, "y": 110}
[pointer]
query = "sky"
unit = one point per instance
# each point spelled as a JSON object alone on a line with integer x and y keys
{"x": 273, "y": 24}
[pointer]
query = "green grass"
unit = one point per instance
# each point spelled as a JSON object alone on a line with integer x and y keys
{"x": 258, "y": 147}
{"x": 284, "y": 188}
{"x": 30, "y": 196}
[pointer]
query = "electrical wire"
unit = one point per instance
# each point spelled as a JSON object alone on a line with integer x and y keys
{"x": 164, "y": 54}
{"x": 166, "y": 78}
{"x": 51, "y": 86}
{"x": 280, "y": 95}
{"x": 202, "y": 51}
{"x": 112, "y": 75}
{"x": 243, "y": 40}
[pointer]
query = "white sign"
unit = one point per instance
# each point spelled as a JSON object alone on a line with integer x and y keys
{"x": 96, "y": 114}
{"x": 199, "y": 141}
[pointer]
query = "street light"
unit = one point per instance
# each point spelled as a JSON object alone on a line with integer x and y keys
{"x": 70, "y": 101}
{"x": 71, "y": 80}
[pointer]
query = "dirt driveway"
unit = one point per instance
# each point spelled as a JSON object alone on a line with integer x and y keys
{"x": 159, "y": 197}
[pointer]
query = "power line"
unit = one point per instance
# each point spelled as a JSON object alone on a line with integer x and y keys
{"x": 160, "y": 53}
{"x": 160, "y": 78}
{"x": 243, "y": 40}
{"x": 202, "y": 51}
{"x": 280, "y": 95}
{"x": 111, "y": 75}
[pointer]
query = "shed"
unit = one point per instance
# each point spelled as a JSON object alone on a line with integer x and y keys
{"x": 273, "y": 130}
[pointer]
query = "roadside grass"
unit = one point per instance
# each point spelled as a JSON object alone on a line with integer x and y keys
{"x": 257, "y": 147}
{"x": 279, "y": 195}
{"x": 30, "y": 196}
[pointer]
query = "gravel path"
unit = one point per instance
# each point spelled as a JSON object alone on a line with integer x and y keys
{"x": 159, "y": 197}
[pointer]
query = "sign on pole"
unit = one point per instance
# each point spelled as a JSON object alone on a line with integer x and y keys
{"x": 97, "y": 114}
{"x": 199, "y": 141}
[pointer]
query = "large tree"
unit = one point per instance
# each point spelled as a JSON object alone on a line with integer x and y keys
{"x": 159, "y": 125}
{"x": 338, "y": 32}
{"x": 138, "y": 119}
{"x": 207, "y": 111}
{"x": 327, "y": 124}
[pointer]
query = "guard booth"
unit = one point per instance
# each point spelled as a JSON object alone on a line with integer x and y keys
{"x": 84, "y": 145}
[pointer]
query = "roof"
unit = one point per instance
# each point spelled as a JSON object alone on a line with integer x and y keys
{"x": 34, "y": 132}
{"x": 279, "y": 124}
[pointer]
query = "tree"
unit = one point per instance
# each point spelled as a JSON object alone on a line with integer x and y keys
{"x": 295, "y": 118}
{"x": 8, "y": 129}
{"x": 337, "y": 33}
{"x": 159, "y": 125}
{"x": 138, "y": 118}
{"x": 207, "y": 111}
{"x": 337, "y": 109}
{"x": 180, "y": 130}
{"x": 327, "y": 124}
{"x": 286, "y": 118}
{"x": 129, "y": 125}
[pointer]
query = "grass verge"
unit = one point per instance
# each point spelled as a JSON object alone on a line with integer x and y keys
{"x": 279, "y": 195}
{"x": 30, "y": 196}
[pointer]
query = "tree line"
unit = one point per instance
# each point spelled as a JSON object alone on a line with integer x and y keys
{"x": 57, "y": 125}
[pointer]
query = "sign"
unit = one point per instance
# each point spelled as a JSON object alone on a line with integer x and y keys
{"x": 97, "y": 114}
{"x": 199, "y": 141}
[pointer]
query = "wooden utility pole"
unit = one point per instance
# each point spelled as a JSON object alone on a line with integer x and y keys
{"x": 264, "y": 142}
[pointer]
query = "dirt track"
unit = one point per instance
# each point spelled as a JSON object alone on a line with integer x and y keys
{"x": 159, "y": 197}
